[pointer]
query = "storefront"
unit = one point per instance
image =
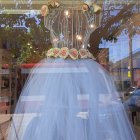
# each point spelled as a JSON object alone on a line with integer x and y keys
{"x": 24, "y": 41}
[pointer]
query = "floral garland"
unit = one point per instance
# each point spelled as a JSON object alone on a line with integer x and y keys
{"x": 86, "y": 7}
{"x": 64, "y": 53}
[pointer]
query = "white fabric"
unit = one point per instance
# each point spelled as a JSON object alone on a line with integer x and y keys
{"x": 81, "y": 105}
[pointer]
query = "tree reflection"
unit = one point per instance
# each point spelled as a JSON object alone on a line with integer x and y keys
{"x": 19, "y": 30}
{"x": 23, "y": 34}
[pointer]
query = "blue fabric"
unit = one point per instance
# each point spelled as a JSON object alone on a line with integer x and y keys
{"x": 77, "y": 100}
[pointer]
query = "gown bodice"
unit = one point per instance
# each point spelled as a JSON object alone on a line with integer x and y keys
{"x": 71, "y": 27}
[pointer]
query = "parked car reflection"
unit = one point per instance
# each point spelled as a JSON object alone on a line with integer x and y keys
{"x": 129, "y": 92}
{"x": 133, "y": 103}
{"x": 134, "y": 98}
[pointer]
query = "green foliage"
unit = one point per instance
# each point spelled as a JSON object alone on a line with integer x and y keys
{"x": 28, "y": 37}
{"x": 25, "y": 54}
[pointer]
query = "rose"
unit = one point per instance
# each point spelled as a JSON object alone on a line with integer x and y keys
{"x": 44, "y": 10}
{"x": 85, "y": 8}
{"x": 83, "y": 53}
{"x": 73, "y": 53}
{"x": 53, "y": 52}
{"x": 63, "y": 53}
{"x": 50, "y": 52}
{"x": 56, "y": 52}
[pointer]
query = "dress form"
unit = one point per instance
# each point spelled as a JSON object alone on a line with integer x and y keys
{"x": 71, "y": 27}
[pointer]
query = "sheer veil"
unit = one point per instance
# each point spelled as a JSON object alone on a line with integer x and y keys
{"x": 68, "y": 99}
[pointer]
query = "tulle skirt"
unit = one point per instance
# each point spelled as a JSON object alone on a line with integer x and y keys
{"x": 70, "y": 100}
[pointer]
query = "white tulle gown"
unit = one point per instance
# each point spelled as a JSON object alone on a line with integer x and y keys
{"x": 70, "y": 100}
{"x": 65, "y": 99}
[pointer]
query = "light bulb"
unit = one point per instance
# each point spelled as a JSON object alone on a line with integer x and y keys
{"x": 66, "y": 13}
{"x": 83, "y": 46}
{"x": 89, "y": 45}
{"x": 78, "y": 37}
{"x": 28, "y": 44}
{"x": 92, "y": 26}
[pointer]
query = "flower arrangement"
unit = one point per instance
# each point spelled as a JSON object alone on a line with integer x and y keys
{"x": 74, "y": 54}
{"x": 46, "y": 9}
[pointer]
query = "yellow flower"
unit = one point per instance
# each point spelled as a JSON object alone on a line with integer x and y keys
{"x": 73, "y": 53}
{"x": 96, "y": 8}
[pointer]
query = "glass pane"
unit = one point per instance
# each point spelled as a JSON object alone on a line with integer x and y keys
{"x": 112, "y": 36}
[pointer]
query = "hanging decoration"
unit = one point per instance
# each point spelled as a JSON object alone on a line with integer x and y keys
{"x": 86, "y": 6}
